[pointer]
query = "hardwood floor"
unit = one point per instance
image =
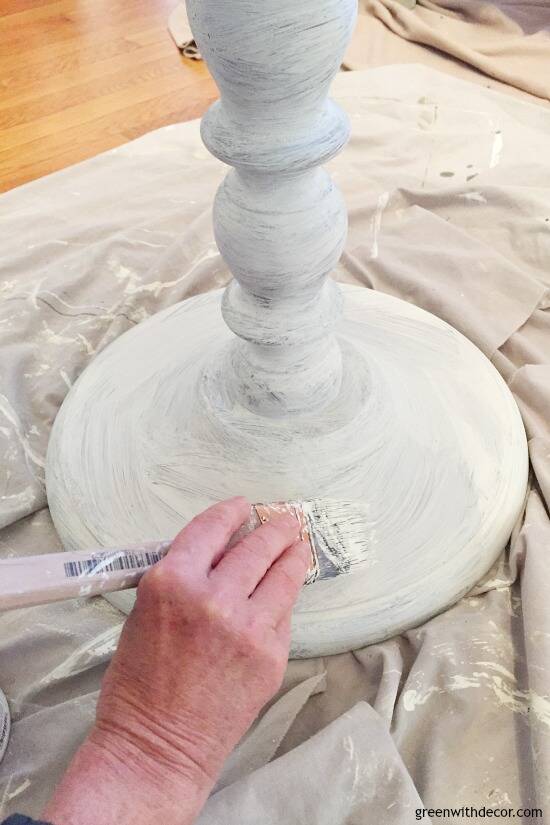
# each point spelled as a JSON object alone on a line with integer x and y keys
{"x": 78, "y": 77}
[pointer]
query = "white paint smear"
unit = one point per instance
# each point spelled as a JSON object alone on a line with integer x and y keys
{"x": 496, "y": 150}
{"x": 473, "y": 196}
{"x": 381, "y": 204}
{"x": 9, "y": 413}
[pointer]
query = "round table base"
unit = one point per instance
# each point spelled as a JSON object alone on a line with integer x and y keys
{"x": 424, "y": 435}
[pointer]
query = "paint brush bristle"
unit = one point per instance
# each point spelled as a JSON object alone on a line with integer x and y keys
{"x": 335, "y": 529}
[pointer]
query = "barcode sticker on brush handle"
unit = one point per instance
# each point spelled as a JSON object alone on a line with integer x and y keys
{"x": 111, "y": 563}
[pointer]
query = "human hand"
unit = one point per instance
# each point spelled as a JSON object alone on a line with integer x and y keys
{"x": 204, "y": 649}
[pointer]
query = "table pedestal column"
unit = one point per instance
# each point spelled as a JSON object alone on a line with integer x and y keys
{"x": 286, "y": 386}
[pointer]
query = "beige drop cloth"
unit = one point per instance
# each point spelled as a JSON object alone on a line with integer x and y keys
{"x": 448, "y": 189}
{"x": 503, "y": 45}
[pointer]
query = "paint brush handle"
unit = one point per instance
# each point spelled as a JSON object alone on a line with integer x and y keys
{"x": 32, "y": 580}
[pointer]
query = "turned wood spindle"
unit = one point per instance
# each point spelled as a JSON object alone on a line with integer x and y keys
{"x": 279, "y": 221}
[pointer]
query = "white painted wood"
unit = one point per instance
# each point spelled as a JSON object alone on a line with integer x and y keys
{"x": 396, "y": 411}
{"x": 279, "y": 221}
{"x": 424, "y": 434}
{"x": 5, "y": 724}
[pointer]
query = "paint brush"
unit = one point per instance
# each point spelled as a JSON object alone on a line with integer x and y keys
{"x": 335, "y": 530}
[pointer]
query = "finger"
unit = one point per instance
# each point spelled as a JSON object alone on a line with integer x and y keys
{"x": 283, "y": 630}
{"x": 277, "y": 592}
{"x": 205, "y": 538}
{"x": 245, "y": 564}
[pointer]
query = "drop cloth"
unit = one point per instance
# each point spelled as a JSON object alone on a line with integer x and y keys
{"x": 503, "y": 44}
{"x": 448, "y": 189}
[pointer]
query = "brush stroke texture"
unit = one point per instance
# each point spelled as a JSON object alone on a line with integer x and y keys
{"x": 424, "y": 434}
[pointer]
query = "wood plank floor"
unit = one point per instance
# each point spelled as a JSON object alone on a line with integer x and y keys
{"x": 78, "y": 77}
